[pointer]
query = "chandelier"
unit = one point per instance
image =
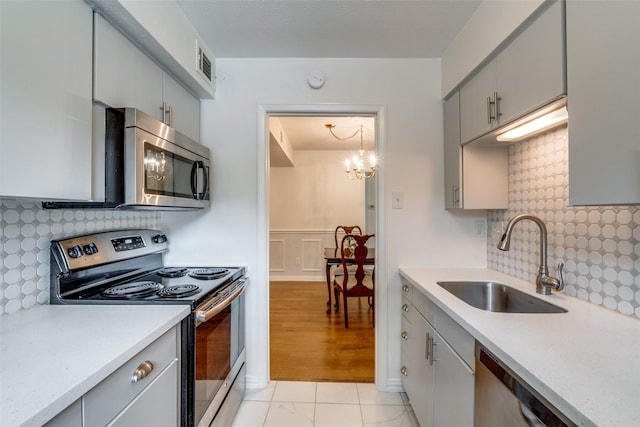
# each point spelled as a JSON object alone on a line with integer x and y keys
{"x": 360, "y": 165}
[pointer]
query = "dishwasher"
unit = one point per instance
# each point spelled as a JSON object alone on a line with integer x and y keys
{"x": 504, "y": 400}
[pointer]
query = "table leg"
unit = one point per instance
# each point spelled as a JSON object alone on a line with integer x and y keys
{"x": 328, "y": 269}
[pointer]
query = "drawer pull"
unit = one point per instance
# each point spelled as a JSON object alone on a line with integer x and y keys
{"x": 142, "y": 371}
{"x": 405, "y": 307}
{"x": 403, "y": 371}
{"x": 405, "y": 335}
{"x": 405, "y": 288}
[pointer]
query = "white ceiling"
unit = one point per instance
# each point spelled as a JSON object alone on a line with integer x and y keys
{"x": 328, "y": 29}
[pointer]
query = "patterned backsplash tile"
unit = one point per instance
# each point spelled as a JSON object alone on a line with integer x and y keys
{"x": 26, "y": 231}
{"x": 600, "y": 246}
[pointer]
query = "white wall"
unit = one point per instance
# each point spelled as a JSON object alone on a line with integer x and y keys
{"x": 316, "y": 193}
{"x": 490, "y": 25}
{"x": 233, "y": 231}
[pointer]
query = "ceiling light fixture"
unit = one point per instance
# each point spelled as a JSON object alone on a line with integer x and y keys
{"x": 532, "y": 127}
{"x": 361, "y": 165}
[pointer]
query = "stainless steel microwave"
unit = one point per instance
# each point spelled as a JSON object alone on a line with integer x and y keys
{"x": 148, "y": 165}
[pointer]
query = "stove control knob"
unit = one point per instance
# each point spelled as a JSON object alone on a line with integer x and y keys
{"x": 159, "y": 238}
{"x": 90, "y": 249}
{"x": 75, "y": 251}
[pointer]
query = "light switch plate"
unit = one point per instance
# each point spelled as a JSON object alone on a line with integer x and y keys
{"x": 397, "y": 200}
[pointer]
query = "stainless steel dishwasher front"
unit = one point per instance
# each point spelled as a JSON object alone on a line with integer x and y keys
{"x": 504, "y": 400}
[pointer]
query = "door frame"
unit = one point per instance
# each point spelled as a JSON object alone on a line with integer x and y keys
{"x": 263, "y": 162}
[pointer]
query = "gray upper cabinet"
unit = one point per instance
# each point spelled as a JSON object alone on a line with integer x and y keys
{"x": 603, "y": 66}
{"x": 524, "y": 75}
{"x": 476, "y": 176}
{"x": 124, "y": 76}
{"x": 46, "y": 56}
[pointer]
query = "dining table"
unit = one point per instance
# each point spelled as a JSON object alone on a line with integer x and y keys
{"x": 333, "y": 257}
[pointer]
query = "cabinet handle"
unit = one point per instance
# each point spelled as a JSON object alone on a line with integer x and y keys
{"x": 496, "y": 101}
{"x": 404, "y": 335}
{"x": 405, "y": 288}
{"x": 403, "y": 371}
{"x": 489, "y": 108}
{"x": 432, "y": 349}
{"x": 167, "y": 114}
{"x": 427, "y": 348}
{"x": 142, "y": 371}
{"x": 456, "y": 195}
{"x": 405, "y": 308}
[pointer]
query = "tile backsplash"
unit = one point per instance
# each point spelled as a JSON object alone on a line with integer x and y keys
{"x": 25, "y": 234}
{"x": 600, "y": 246}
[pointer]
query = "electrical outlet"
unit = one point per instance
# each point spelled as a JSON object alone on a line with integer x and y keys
{"x": 480, "y": 228}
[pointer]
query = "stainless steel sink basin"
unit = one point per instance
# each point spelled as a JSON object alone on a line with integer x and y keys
{"x": 491, "y": 296}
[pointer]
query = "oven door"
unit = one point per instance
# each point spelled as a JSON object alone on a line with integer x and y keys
{"x": 165, "y": 174}
{"x": 219, "y": 349}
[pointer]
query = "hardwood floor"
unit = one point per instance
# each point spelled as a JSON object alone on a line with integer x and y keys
{"x": 309, "y": 345}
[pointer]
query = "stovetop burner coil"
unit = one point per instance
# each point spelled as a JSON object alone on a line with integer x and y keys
{"x": 179, "y": 291}
{"x": 209, "y": 273}
{"x": 172, "y": 272}
{"x": 132, "y": 290}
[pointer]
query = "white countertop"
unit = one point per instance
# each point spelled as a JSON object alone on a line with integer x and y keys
{"x": 53, "y": 354}
{"x": 585, "y": 362}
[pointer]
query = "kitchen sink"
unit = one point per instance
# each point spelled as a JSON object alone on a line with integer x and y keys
{"x": 492, "y": 296}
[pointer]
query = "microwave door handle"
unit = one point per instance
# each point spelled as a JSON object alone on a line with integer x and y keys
{"x": 194, "y": 180}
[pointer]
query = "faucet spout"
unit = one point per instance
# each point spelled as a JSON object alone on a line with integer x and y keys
{"x": 544, "y": 282}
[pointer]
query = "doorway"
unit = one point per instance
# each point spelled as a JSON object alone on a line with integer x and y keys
{"x": 309, "y": 194}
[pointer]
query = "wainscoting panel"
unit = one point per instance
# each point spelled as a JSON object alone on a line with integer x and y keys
{"x": 298, "y": 254}
{"x": 312, "y": 257}
{"x": 276, "y": 255}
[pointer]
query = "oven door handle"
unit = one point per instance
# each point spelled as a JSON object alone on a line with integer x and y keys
{"x": 208, "y": 309}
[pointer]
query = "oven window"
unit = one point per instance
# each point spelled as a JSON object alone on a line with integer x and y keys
{"x": 213, "y": 358}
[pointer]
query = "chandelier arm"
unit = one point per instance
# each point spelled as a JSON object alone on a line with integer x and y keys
{"x": 346, "y": 137}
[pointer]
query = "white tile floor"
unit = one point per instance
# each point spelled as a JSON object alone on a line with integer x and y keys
{"x": 309, "y": 404}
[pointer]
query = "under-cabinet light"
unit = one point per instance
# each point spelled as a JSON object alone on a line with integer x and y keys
{"x": 547, "y": 121}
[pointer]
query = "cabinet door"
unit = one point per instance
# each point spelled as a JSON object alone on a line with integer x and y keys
{"x": 530, "y": 70}
{"x": 474, "y": 108}
{"x": 603, "y": 66}
{"x": 45, "y": 136}
{"x": 70, "y": 417}
{"x": 156, "y": 406}
{"x": 452, "y": 153}
{"x": 454, "y": 388}
{"x": 124, "y": 76}
{"x": 420, "y": 372}
{"x": 185, "y": 108}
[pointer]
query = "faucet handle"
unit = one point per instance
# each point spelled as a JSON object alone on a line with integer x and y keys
{"x": 560, "y": 276}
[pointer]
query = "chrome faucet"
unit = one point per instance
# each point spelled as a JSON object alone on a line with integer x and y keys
{"x": 544, "y": 282}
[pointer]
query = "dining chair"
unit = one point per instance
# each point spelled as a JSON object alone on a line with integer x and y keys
{"x": 346, "y": 229}
{"x": 356, "y": 280}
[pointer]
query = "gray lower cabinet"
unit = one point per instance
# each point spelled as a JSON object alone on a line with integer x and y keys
{"x": 145, "y": 391}
{"x": 437, "y": 357}
{"x": 131, "y": 390}
{"x": 603, "y": 66}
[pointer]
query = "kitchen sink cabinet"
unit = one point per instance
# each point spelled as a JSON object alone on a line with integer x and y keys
{"x": 525, "y": 75}
{"x": 602, "y": 71}
{"x": 45, "y": 136}
{"x": 476, "y": 177}
{"x": 141, "y": 83}
{"x": 437, "y": 356}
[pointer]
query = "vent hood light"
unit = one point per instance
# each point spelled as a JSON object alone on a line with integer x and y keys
{"x": 545, "y": 122}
